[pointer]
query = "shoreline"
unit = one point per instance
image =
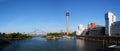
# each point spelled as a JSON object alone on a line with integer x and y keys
{"x": 102, "y": 39}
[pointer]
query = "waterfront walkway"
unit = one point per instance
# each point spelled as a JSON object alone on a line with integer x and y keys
{"x": 106, "y": 39}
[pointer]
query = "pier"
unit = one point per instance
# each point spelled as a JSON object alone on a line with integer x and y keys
{"x": 105, "y": 39}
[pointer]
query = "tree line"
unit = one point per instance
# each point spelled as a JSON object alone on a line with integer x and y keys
{"x": 14, "y": 36}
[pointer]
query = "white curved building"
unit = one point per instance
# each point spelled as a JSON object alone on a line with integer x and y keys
{"x": 110, "y": 18}
{"x": 80, "y": 30}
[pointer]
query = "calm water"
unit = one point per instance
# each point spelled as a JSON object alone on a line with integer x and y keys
{"x": 40, "y": 44}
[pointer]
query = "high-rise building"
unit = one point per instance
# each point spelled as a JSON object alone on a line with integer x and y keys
{"x": 109, "y": 19}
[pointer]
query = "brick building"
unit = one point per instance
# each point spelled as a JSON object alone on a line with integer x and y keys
{"x": 91, "y": 25}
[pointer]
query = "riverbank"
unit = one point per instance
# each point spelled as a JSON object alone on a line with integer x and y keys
{"x": 6, "y": 42}
{"x": 5, "y": 39}
{"x": 103, "y": 39}
{"x": 57, "y": 36}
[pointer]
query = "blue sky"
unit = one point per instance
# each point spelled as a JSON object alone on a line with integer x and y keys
{"x": 49, "y": 15}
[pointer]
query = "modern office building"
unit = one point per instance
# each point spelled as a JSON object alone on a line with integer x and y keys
{"x": 80, "y": 30}
{"x": 97, "y": 31}
{"x": 110, "y": 18}
{"x": 115, "y": 28}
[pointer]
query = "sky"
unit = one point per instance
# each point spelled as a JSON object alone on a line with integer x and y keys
{"x": 49, "y": 15}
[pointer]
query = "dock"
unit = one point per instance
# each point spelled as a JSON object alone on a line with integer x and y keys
{"x": 106, "y": 39}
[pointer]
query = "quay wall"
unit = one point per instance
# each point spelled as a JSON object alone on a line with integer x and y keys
{"x": 105, "y": 39}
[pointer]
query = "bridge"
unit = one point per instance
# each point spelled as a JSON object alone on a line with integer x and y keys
{"x": 37, "y": 32}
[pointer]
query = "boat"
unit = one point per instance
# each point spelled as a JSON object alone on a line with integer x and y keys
{"x": 114, "y": 47}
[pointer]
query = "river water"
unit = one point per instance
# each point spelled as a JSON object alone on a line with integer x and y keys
{"x": 41, "y": 44}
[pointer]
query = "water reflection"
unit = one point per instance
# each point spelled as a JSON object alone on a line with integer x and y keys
{"x": 41, "y": 44}
{"x": 84, "y": 45}
{"x": 80, "y": 45}
{"x": 1, "y": 48}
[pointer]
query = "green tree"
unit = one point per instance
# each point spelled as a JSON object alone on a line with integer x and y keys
{"x": 3, "y": 33}
{"x": 0, "y": 33}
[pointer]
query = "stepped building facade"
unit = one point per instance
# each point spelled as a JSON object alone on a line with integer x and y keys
{"x": 112, "y": 27}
